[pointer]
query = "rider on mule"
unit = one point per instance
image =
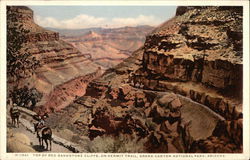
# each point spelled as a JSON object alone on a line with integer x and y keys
{"x": 40, "y": 126}
{"x": 15, "y": 113}
{"x": 44, "y": 133}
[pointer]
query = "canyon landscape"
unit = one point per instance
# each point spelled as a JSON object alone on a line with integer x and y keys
{"x": 107, "y": 47}
{"x": 172, "y": 88}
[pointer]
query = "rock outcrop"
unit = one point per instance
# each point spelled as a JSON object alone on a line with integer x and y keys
{"x": 198, "y": 54}
{"x": 19, "y": 142}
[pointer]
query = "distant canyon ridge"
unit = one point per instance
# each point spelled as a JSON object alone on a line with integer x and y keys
{"x": 106, "y": 47}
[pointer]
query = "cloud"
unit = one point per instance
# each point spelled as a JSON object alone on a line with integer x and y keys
{"x": 87, "y": 21}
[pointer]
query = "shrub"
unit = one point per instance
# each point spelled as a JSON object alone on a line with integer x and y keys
{"x": 119, "y": 144}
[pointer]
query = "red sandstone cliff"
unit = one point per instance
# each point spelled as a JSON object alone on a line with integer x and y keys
{"x": 63, "y": 72}
{"x": 198, "y": 54}
{"x": 59, "y": 61}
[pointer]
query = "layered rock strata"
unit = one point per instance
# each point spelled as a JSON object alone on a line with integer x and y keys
{"x": 109, "y": 47}
{"x": 63, "y": 73}
{"x": 198, "y": 54}
{"x": 59, "y": 61}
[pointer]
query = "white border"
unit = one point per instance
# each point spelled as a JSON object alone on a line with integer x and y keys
{"x": 246, "y": 130}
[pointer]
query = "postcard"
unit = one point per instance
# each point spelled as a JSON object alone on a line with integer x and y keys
{"x": 124, "y": 79}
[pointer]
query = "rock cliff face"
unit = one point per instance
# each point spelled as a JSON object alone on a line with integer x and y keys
{"x": 202, "y": 45}
{"x": 59, "y": 61}
{"x": 63, "y": 72}
{"x": 181, "y": 92}
{"x": 64, "y": 94}
{"x": 198, "y": 54}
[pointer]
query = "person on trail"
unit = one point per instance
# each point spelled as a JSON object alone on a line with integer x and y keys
{"x": 14, "y": 114}
{"x": 40, "y": 126}
{"x": 14, "y": 109}
{"x": 41, "y": 121}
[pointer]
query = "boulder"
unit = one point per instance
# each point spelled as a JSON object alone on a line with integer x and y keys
{"x": 19, "y": 142}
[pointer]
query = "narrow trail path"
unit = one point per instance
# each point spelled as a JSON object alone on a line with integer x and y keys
{"x": 209, "y": 110}
{"x": 56, "y": 148}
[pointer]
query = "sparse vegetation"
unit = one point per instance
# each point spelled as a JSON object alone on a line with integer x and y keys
{"x": 25, "y": 97}
{"x": 120, "y": 144}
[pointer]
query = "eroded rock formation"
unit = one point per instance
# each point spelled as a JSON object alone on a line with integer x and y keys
{"x": 63, "y": 72}
{"x": 198, "y": 54}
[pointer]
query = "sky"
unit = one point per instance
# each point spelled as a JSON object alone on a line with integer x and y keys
{"x": 80, "y": 17}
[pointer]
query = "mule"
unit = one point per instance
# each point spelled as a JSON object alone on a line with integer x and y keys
{"x": 43, "y": 134}
{"x": 14, "y": 117}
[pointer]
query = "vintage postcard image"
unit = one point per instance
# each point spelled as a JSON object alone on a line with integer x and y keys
{"x": 125, "y": 80}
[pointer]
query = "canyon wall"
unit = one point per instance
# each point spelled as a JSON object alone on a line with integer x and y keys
{"x": 204, "y": 47}
{"x": 59, "y": 61}
{"x": 180, "y": 93}
{"x": 198, "y": 54}
{"x": 61, "y": 65}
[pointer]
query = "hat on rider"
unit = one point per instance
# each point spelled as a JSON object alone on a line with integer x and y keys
{"x": 15, "y": 106}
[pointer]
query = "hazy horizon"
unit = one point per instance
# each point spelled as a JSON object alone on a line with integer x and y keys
{"x": 82, "y": 17}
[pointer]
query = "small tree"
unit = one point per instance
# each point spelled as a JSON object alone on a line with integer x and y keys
{"x": 25, "y": 97}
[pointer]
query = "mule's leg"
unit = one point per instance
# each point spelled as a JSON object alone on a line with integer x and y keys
{"x": 18, "y": 122}
{"x": 42, "y": 142}
{"x": 50, "y": 144}
{"x": 46, "y": 142}
{"x": 15, "y": 122}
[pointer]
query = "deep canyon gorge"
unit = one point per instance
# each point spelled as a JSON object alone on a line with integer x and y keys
{"x": 175, "y": 88}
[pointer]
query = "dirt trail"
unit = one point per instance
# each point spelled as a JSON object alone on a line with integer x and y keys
{"x": 56, "y": 148}
{"x": 203, "y": 119}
